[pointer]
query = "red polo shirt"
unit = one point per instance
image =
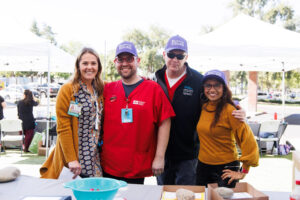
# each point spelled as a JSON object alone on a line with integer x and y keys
{"x": 129, "y": 148}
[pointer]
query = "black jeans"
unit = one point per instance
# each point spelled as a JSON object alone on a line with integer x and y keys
{"x": 127, "y": 180}
{"x": 212, "y": 174}
{"x": 180, "y": 172}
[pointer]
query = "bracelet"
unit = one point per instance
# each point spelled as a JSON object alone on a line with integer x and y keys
{"x": 244, "y": 171}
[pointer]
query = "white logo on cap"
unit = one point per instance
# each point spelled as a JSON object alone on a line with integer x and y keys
{"x": 177, "y": 43}
{"x": 124, "y": 46}
{"x": 215, "y": 73}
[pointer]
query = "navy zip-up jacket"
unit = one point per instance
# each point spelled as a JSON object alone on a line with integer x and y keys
{"x": 184, "y": 143}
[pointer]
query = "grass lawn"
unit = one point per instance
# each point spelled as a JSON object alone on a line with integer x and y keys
{"x": 289, "y": 156}
{"x": 26, "y": 158}
{"x": 34, "y": 159}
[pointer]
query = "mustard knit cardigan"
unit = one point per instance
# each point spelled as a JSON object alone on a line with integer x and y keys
{"x": 66, "y": 149}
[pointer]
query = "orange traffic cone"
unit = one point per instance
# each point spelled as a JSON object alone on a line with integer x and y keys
{"x": 275, "y": 116}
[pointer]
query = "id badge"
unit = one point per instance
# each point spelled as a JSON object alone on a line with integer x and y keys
{"x": 126, "y": 115}
{"x": 74, "y": 109}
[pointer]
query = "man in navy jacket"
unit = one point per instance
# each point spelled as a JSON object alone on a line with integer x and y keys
{"x": 182, "y": 85}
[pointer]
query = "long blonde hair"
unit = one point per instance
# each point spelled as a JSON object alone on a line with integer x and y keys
{"x": 97, "y": 82}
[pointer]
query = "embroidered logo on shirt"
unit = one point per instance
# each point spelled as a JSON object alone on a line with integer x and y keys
{"x": 187, "y": 90}
{"x": 136, "y": 102}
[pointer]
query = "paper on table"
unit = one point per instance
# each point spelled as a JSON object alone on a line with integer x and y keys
{"x": 172, "y": 196}
{"x": 47, "y": 198}
{"x": 43, "y": 198}
{"x": 66, "y": 175}
{"x": 241, "y": 195}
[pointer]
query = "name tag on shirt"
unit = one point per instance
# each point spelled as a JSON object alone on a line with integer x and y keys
{"x": 126, "y": 115}
{"x": 74, "y": 109}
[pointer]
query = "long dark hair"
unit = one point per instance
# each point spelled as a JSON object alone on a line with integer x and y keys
{"x": 226, "y": 98}
{"x": 28, "y": 99}
{"x": 98, "y": 83}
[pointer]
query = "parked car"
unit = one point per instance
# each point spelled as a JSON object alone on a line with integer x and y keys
{"x": 263, "y": 95}
{"x": 43, "y": 89}
{"x": 35, "y": 93}
{"x": 11, "y": 94}
{"x": 33, "y": 86}
{"x": 21, "y": 89}
{"x": 293, "y": 95}
{"x": 276, "y": 96}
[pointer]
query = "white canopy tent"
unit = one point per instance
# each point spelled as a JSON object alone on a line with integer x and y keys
{"x": 21, "y": 50}
{"x": 247, "y": 44}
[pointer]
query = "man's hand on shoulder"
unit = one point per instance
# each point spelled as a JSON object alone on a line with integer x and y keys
{"x": 239, "y": 114}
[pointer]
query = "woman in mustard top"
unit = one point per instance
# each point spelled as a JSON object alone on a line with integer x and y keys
{"x": 219, "y": 132}
{"x": 79, "y": 114}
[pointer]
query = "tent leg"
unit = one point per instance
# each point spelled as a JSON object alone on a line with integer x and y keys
{"x": 283, "y": 92}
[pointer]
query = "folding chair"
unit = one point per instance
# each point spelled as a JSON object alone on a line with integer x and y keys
{"x": 278, "y": 135}
{"x": 255, "y": 127}
{"x": 10, "y": 129}
{"x": 277, "y": 129}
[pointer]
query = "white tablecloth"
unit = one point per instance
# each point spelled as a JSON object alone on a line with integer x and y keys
{"x": 27, "y": 185}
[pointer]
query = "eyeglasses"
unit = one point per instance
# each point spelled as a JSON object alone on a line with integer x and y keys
{"x": 128, "y": 59}
{"x": 178, "y": 56}
{"x": 216, "y": 86}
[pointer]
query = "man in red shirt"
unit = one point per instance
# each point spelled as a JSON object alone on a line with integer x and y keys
{"x": 136, "y": 122}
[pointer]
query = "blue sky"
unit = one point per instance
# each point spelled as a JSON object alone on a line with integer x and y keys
{"x": 94, "y": 22}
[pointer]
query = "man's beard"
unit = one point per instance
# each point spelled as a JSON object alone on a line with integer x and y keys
{"x": 127, "y": 76}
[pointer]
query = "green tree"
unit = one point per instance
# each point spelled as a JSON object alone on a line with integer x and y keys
{"x": 48, "y": 34}
{"x": 73, "y": 47}
{"x": 238, "y": 80}
{"x": 35, "y": 29}
{"x": 271, "y": 11}
{"x": 109, "y": 71}
{"x": 149, "y": 46}
{"x": 206, "y": 29}
{"x": 249, "y": 7}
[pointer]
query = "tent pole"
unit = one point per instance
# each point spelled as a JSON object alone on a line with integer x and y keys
{"x": 48, "y": 102}
{"x": 283, "y": 92}
{"x": 105, "y": 59}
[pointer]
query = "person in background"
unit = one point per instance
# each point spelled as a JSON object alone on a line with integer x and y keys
{"x": 136, "y": 122}
{"x": 219, "y": 132}
{"x": 183, "y": 87}
{"x": 25, "y": 113}
{"x": 79, "y": 114}
{"x": 2, "y": 106}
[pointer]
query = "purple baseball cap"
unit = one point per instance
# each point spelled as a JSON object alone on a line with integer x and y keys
{"x": 216, "y": 74}
{"x": 126, "y": 47}
{"x": 176, "y": 42}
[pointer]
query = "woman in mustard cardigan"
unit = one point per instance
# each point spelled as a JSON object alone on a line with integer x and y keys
{"x": 79, "y": 108}
{"x": 219, "y": 132}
